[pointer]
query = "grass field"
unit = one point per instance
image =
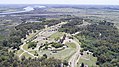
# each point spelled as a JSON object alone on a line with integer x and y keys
{"x": 19, "y": 52}
{"x": 63, "y": 54}
{"x": 88, "y": 59}
{"x": 68, "y": 57}
{"x": 25, "y": 46}
{"x": 71, "y": 45}
{"x": 27, "y": 55}
{"x": 57, "y": 35}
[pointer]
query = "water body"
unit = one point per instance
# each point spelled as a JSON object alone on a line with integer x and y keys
{"x": 26, "y": 9}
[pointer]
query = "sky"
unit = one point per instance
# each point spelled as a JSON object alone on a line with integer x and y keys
{"x": 94, "y": 2}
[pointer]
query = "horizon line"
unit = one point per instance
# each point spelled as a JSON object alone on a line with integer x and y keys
{"x": 59, "y": 4}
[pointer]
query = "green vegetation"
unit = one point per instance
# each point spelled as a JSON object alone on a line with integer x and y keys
{"x": 25, "y": 46}
{"x": 70, "y": 55}
{"x": 19, "y": 52}
{"x": 88, "y": 59}
{"x": 26, "y": 55}
{"x": 32, "y": 45}
{"x": 102, "y": 39}
{"x": 56, "y": 45}
{"x": 8, "y": 60}
{"x": 71, "y": 45}
{"x": 23, "y": 29}
{"x": 71, "y": 27}
{"x": 1, "y": 37}
{"x": 57, "y": 35}
{"x": 64, "y": 54}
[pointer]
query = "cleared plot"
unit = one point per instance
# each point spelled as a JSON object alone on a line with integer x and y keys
{"x": 87, "y": 59}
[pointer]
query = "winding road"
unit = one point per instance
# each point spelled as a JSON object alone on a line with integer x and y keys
{"x": 74, "y": 58}
{"x": 73, "y": 61}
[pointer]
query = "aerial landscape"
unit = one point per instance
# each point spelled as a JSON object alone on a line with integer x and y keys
{"x": 59, "y": 35}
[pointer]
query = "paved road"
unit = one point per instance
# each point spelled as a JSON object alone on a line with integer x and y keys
{"x": 75, "y": 58}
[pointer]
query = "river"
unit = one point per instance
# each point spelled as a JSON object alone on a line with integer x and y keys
{"x": 26, "y": 9}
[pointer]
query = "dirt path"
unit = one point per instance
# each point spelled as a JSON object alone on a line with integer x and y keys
{"x": 25, "y": 51}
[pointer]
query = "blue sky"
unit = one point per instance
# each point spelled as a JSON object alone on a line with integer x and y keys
{"x": 98, "y": 2}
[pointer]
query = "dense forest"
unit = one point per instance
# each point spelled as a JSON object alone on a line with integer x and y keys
{"x": 71, "y": 27}
{"x": 100, "y": 38}
{"x": 8, "y": 59}
{"x": 103, "y": 40}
